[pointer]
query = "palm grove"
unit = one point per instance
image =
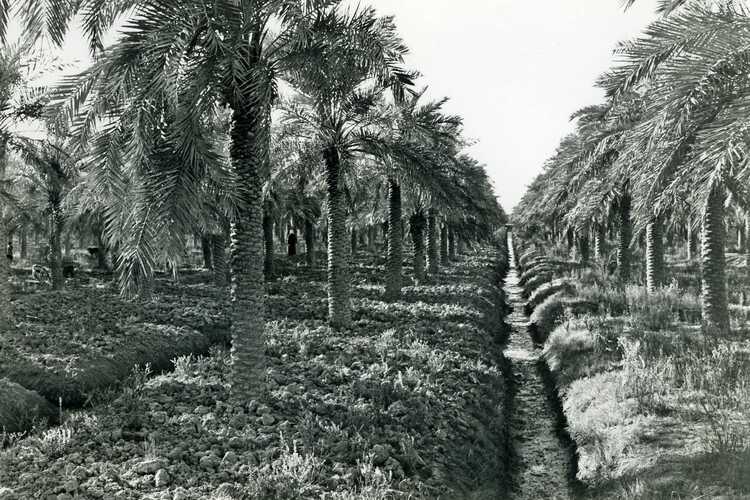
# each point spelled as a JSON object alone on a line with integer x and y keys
{"x": 231, "y": 120}
{"x": 665, "y": 157}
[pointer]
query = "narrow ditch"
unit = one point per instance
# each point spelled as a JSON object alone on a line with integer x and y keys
{"x": 544, "y": 456}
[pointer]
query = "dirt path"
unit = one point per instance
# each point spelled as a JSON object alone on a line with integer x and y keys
{"x": 542, "y": 465}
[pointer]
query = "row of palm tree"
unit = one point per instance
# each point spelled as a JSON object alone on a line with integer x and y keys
{"x": 224, "y": 118}
{"x": 666, "y": 151}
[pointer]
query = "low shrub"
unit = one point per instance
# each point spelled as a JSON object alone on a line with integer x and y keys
{"x": 553, "y": 312}
{"x": 546, "y": 290}
{"x": 20, "y": 408}
{"x": 536, "y": 282}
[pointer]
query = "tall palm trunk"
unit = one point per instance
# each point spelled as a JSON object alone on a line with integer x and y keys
{"x": 444, "y": 244}
{"x": 599, "y": 242}
{"x": 206, "y": 249}
{"x": 371, "y": 237}
{"x": 219, "y": 257}
{"x": 6, "y": 308}
{"x": 654, "y": 255}
{"x": 714, "y": 285}
{"x": 432, "y": 249}
{"x": 417, "y": 223}
{"x": 309, "y": 243}
{"x": 745, "y": 295}
{"x": 451, "y": 244}
{"x": 584, "y": 248}
{"x": 268, "y": 240}
{"x": 690, "y": 239}
{"x": 25, "y": 243}
{"x": 624, "y": 237}
{"x": 55, "y": 238}
{"x": 249, "y": 149}
{"x": 339, "y": 301}
{"x": 394, "y": 262}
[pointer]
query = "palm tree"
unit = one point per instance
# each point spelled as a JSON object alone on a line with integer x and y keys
{"x": 228, "y": 58}
{"x": 51, "y": 167}
{"x": 355, "y": 58}
{"x": 692, "y": 66}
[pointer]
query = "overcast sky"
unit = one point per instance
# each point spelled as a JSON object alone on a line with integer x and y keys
{"x": 515, "y": 70}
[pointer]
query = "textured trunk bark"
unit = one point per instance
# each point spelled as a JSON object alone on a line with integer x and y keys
{"x": 432, "y": 248}
{"x": 451, "y": 244}
{"x": 584, "y": 248}
{"x": 309, "y": 243}
{"x": 339, "y": 300}
{"x": 6, "y": 306}
{"x": 249, "y": 155}
{"x": 219, "y": 257}
{"x": 206, "y": 248}
{"x": 689, "y": 245}
{"x": 55, "y": 237}
{"x": 624, "y": 237}
{"x": 654, "y": 255}
{"x": 395, "y": 249}
{"x": 269, "y": 250}
{"x": 714, "y": 285}
{"x": 25, "y": 243}
{"x": 599, "y": 242}
{"x": 371, "y": 238}
{"x": 746, "y": 293}
{"x": 444, "y": 244}
{"x": 417, "y": 223}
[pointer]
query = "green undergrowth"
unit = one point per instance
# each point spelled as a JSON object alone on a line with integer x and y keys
{"x": 651, "y": 409}
{"x": 407, "y": 403}
{"x": 656, "y": 408}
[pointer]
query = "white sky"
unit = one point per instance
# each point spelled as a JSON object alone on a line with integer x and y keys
{"x": 515, "y": 70}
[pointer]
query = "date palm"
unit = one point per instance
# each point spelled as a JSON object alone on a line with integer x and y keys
{"x": 355, "y": 57}
{"x": 188, "y": 61}
{"x": 693, "y": 67}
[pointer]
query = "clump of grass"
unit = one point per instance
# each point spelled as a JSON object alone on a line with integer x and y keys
{"x": 660, "y": 309}
{"x": 291, "y": 475}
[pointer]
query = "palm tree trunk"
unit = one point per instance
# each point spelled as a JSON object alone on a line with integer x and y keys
{"x": 24, "y": 242}
{"x": 624, "y": 237}
{"x": 309, "y": 243}
{"x": 714, "y": 285}
{"x": 451, "y": 244}
{"x": 395, "y": 249}
{"x": 219, "y": 255}
{"x": 354, "y": 241}
{"x": 599, "y": 242}
{"x": 269, "y": 250}
{"x": 689, "y": 245}
{"x": 206, "y": 248}
{"x": 417, "y": 223}
{"x": 654, "y": 255}
{"x": 371, "y": 237}
{"x": 249, "y": 150}
{"x": 432, "y": 249}
{"x": 6, "y": 306}
{"x": 55, "y": 237}
{"x": 745, "y": 295}
{"x": 339, "y": 300}
{"x": 444, "y": 244}
{"x": 584, "y": 247}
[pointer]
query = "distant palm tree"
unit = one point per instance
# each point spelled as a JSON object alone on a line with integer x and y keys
{"x": 354, "y": 57}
